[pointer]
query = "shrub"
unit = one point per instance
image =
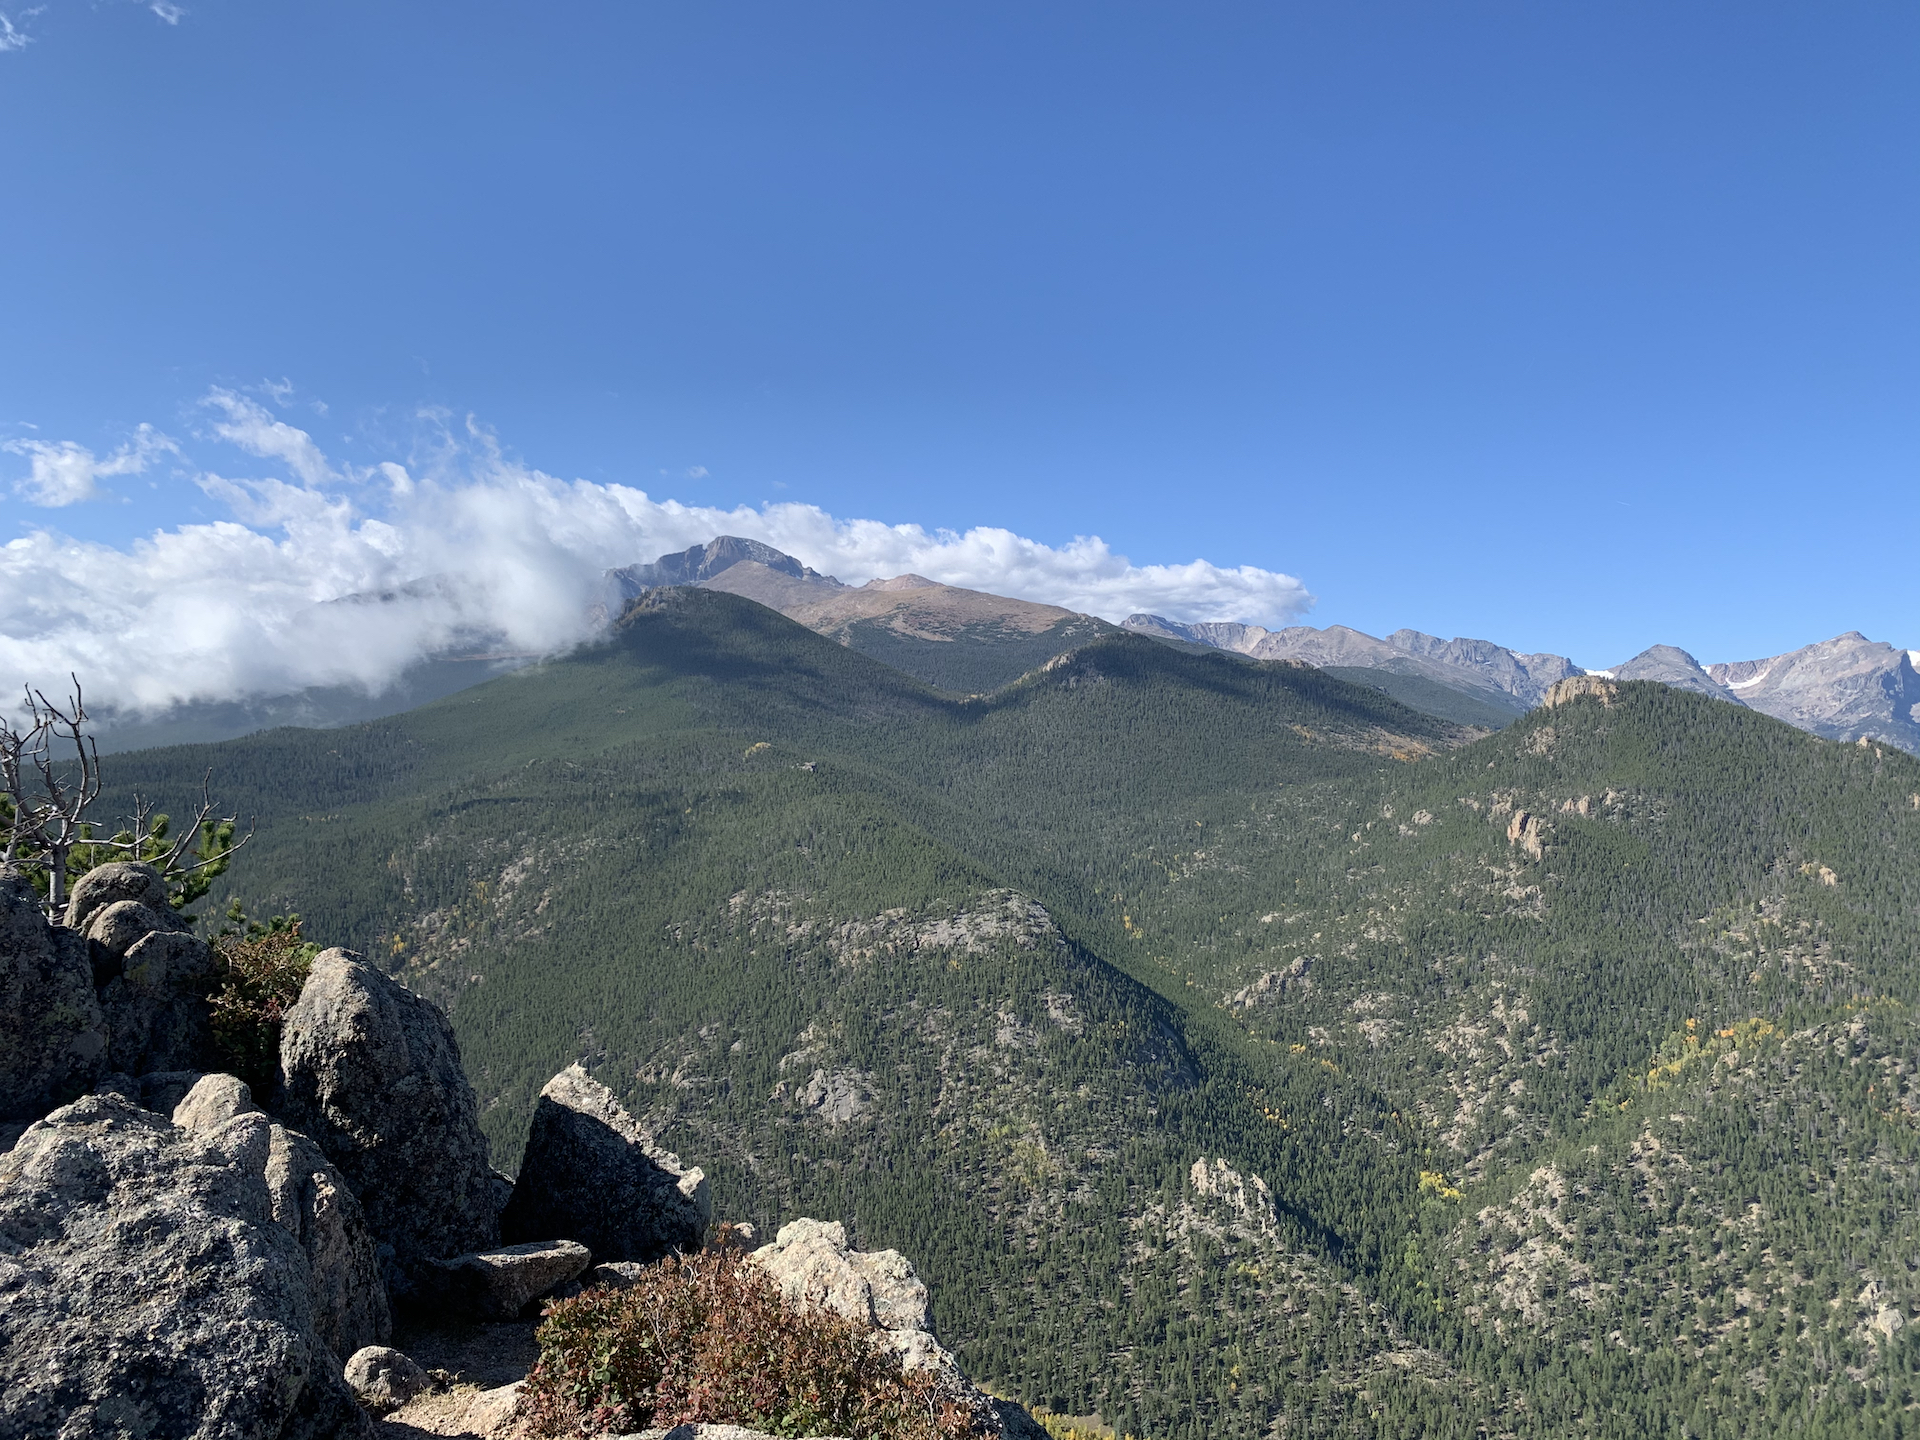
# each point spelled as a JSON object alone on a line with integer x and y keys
{"x": 707, "y": 1338}
{"x": 261, "y": 970}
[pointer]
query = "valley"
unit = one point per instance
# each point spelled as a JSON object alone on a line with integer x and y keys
{"x": 1237, "y": 1050}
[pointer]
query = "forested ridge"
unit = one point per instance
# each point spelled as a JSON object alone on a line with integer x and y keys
{"x": 1235, "y": 1050}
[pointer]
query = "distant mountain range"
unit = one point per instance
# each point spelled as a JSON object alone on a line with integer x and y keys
{"x": 1847, "y": 688}
{"x": 973, "y": 642}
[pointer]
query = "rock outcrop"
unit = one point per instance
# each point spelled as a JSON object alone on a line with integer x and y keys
{"x": 53, "y": 1034}
{"x": 812, "y": 1264}
{"x": 145, "y": 1289}
{"x": 312, "y": 1202}
{"x": 370, "y": 1071}
{"x": 1565, "y": 692}
{"x": 592, "y": 1174}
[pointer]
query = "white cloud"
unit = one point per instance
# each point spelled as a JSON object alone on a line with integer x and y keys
{"x": 250, "y": 426}
{"x": 11, "y": 36}
{"x": 167, "y": 11}
{"x": 465, "y": 550}
{"x": 65, "y": 473}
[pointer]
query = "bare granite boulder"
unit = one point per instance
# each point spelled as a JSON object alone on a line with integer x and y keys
{"x": 385, "y": 1379}
{"x": 118, "y": 927}
{"x": 312, "y": 1203}
{"x": 370, "y": 1071}
{"x": 105, "y": 884}
{"x": 53, "y": 1035}
{"x": 145, "y": 1290}
{"x": 592, "y": 1174}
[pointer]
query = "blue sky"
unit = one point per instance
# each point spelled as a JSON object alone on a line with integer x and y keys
{"x": 1579, "y": 327}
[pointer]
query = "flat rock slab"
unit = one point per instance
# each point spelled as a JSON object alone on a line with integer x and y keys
{"x": 499, "y": 1284}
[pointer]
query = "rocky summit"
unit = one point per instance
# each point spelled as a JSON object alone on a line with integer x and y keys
{"x": 178, "y": 1261}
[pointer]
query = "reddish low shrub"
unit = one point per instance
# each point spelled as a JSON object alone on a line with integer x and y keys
{"x": 707, "y": 1338}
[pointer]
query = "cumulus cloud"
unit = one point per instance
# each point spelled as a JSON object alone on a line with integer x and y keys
{"x": 65, "y": 473}
{"x": 331, "y": 576}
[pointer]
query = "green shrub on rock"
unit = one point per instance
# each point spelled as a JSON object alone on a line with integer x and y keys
{"x": 262, "y": 968}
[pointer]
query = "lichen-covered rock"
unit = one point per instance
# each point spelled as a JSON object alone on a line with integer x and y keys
{"x": 592, "y": 1174}
{"x": 312, "y": 1203}
{"x": 53, "y": 1035}
{"x": 384, "y": 1379}
{"x": 146, "y": 1291}
{"x": 499, "y": 1284}
{"x": 211, "y": 1101}
{"x": 370, "y": 1071}
{"x": 105, "y": 884}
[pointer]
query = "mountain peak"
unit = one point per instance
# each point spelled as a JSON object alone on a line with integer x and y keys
{"x": 1671, "y": 665}
{"x": 699, "y": 563}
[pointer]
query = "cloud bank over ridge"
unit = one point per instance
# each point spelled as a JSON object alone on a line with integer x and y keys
{"x": 341, "y": 575}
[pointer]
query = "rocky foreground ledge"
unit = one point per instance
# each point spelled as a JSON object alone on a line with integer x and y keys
{"x": 182, "y": 1258}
